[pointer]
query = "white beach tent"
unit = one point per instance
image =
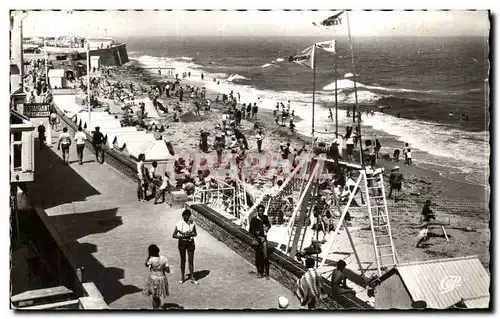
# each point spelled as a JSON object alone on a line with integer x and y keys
{"x": 83, "y": 117}
{"x": 67, "y": 103}
{"x": 110, "y": 136}
{"x": 103, "y": 124}
{"x": 154, "y": 151}
{"x": 110, "y": 133}
{"x": 121, "y": 140}
{"x": 148, "y": 107}
{"x": 56, "y": 78}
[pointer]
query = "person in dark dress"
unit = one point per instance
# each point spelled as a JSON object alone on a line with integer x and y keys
{"x": 395, "y": 181}
{"x": 259, "y": 226}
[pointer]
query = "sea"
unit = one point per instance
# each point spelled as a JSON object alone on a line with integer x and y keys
{"x": 419, "y": 88}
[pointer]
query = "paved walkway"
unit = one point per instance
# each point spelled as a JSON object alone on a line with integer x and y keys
{"x": 95, "y": 210}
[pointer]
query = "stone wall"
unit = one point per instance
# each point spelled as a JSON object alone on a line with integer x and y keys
{"x": 282, "y": 268}
{"x": 115, "y": 56}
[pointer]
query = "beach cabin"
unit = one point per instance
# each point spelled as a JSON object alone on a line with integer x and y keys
{"x": 154, "y": 151}
{"x": 121, "y": 140}
{"x": 441, "y": 284}
{"x": 83, "y": 116}
{"x": 116, "y": 131}
{"x": 57, "y": 79}
{"x": 22, "y": 151}
{"x": 110, "y": 136}
{"x": 95, "y": 62}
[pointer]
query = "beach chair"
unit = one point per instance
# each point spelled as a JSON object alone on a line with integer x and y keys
{"x": 441, "y": 223}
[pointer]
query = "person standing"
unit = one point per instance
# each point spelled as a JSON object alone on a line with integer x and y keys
{"x": 157, "y": 284}
{"x": 64, "y": 144}
{"x": 377, "y": 145}
{"x": 309, "y": 286}
{"x": 165, "y": 188}
{"x": 395, "y": 181}
{"x": 41, "y": 135}
{"x": 142, "y": 184}
{"x": 405, "y": 152}
{"x": 259, "y": 138}
{"x": 259, "y": 226}
{"x": 153, "y": 178}
{"x": 185, "y": 231}
{"x": 53, "y": 120}
{"x": 80, "y": 139}
{"x": 97, "y": 141}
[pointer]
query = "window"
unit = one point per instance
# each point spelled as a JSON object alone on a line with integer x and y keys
{"x": 16, "y": 150}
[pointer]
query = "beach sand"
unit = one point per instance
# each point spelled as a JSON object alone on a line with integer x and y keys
{"x": 466, "y": 205}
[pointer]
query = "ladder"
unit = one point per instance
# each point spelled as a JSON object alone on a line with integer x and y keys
{"x": 241, "y": 198}
{"x": 383, "y": 244}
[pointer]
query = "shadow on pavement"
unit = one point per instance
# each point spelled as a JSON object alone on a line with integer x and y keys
{"x": 57, "y": 183}
{"x": 201, "y": 274}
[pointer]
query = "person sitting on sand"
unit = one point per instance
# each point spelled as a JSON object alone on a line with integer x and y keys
{"x": 338, "y": 282}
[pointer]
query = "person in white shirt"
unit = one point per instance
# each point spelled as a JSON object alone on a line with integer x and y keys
{"x": 259, "y": 138}
{"x": 165, "y": 188}
{"x": 142, "y": 185}
{"x": 185, "y": 231}
{"x": 64, "y": 144}
{"x": 80, "y": 139}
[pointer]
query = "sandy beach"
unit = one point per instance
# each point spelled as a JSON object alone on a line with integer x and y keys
{"x": 465, "y": 205}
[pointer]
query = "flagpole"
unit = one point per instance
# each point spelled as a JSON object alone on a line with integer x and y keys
{"x": 88, "y": 83}
{"x": 314, "y": 85}
{"x": 336, "y": 101}
{"x": 46, "y": 67}
{"x": 355, "y": 94}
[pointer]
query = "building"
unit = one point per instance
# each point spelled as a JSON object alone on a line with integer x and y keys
{"x": 57, "y": 79}
{"x": 22, "y": 154}
{"x": 441, "y": 284}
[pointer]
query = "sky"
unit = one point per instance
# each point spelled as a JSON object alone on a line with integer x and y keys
{"x": 252, "y": 23}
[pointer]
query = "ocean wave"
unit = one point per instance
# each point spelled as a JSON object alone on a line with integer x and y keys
{"x": 268, "y": 65}
{"x": 179, "y": 64}
{"x": 280, "y": 60}
{"x": 438, "y": 140}
{"x": 185, "y": 58}
{"x": 234, "y": 77}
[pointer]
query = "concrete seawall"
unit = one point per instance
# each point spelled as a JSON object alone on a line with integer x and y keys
{"x": 114, "y": 56}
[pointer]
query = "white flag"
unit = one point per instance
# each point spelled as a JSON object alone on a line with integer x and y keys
{"x": 305, "y": 58}
{"x": 328, "y": 46}
{"x": 334, "y": 20}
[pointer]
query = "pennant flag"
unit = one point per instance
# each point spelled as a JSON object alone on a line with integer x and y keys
{"x": 334, "y": 20}
{"x": 305, "y": 58}
{"x": 328, "y": 46}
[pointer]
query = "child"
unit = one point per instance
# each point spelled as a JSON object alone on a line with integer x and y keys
{"x": 408, "y": 156}
{"x": 164, "y": 188}
{"x": 405, "y": 152}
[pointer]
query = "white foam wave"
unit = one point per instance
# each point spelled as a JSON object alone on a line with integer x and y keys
{"x": 440, "y": 141}
{"x": 234, "y": 77}
{"x": 280, "y": 60}
{"x": 180, "y": 65}
{"x": 185, "y": 58}
{"x": 268, "y": 65}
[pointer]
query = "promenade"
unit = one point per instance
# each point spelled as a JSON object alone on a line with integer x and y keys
{"x": 94, "y": 209}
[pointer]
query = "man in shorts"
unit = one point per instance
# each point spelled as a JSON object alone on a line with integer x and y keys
{"x": 64, "y": 144}
{"x": 80, "y": 139}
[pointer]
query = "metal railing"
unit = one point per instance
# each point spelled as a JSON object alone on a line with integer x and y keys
{"x": 220, "y": 196}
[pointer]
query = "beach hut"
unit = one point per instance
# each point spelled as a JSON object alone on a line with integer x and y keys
{"x": 441, "y": 284}
{"x": 110, "y": 136}
{"x": 121, "y": 140}
{"x": 56, "y": 78}
{"x": 154, "y": 151}
{"x": 149, "y": 108}
{"x": 83, "y": 117}
{"x": 95, "y": 62}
